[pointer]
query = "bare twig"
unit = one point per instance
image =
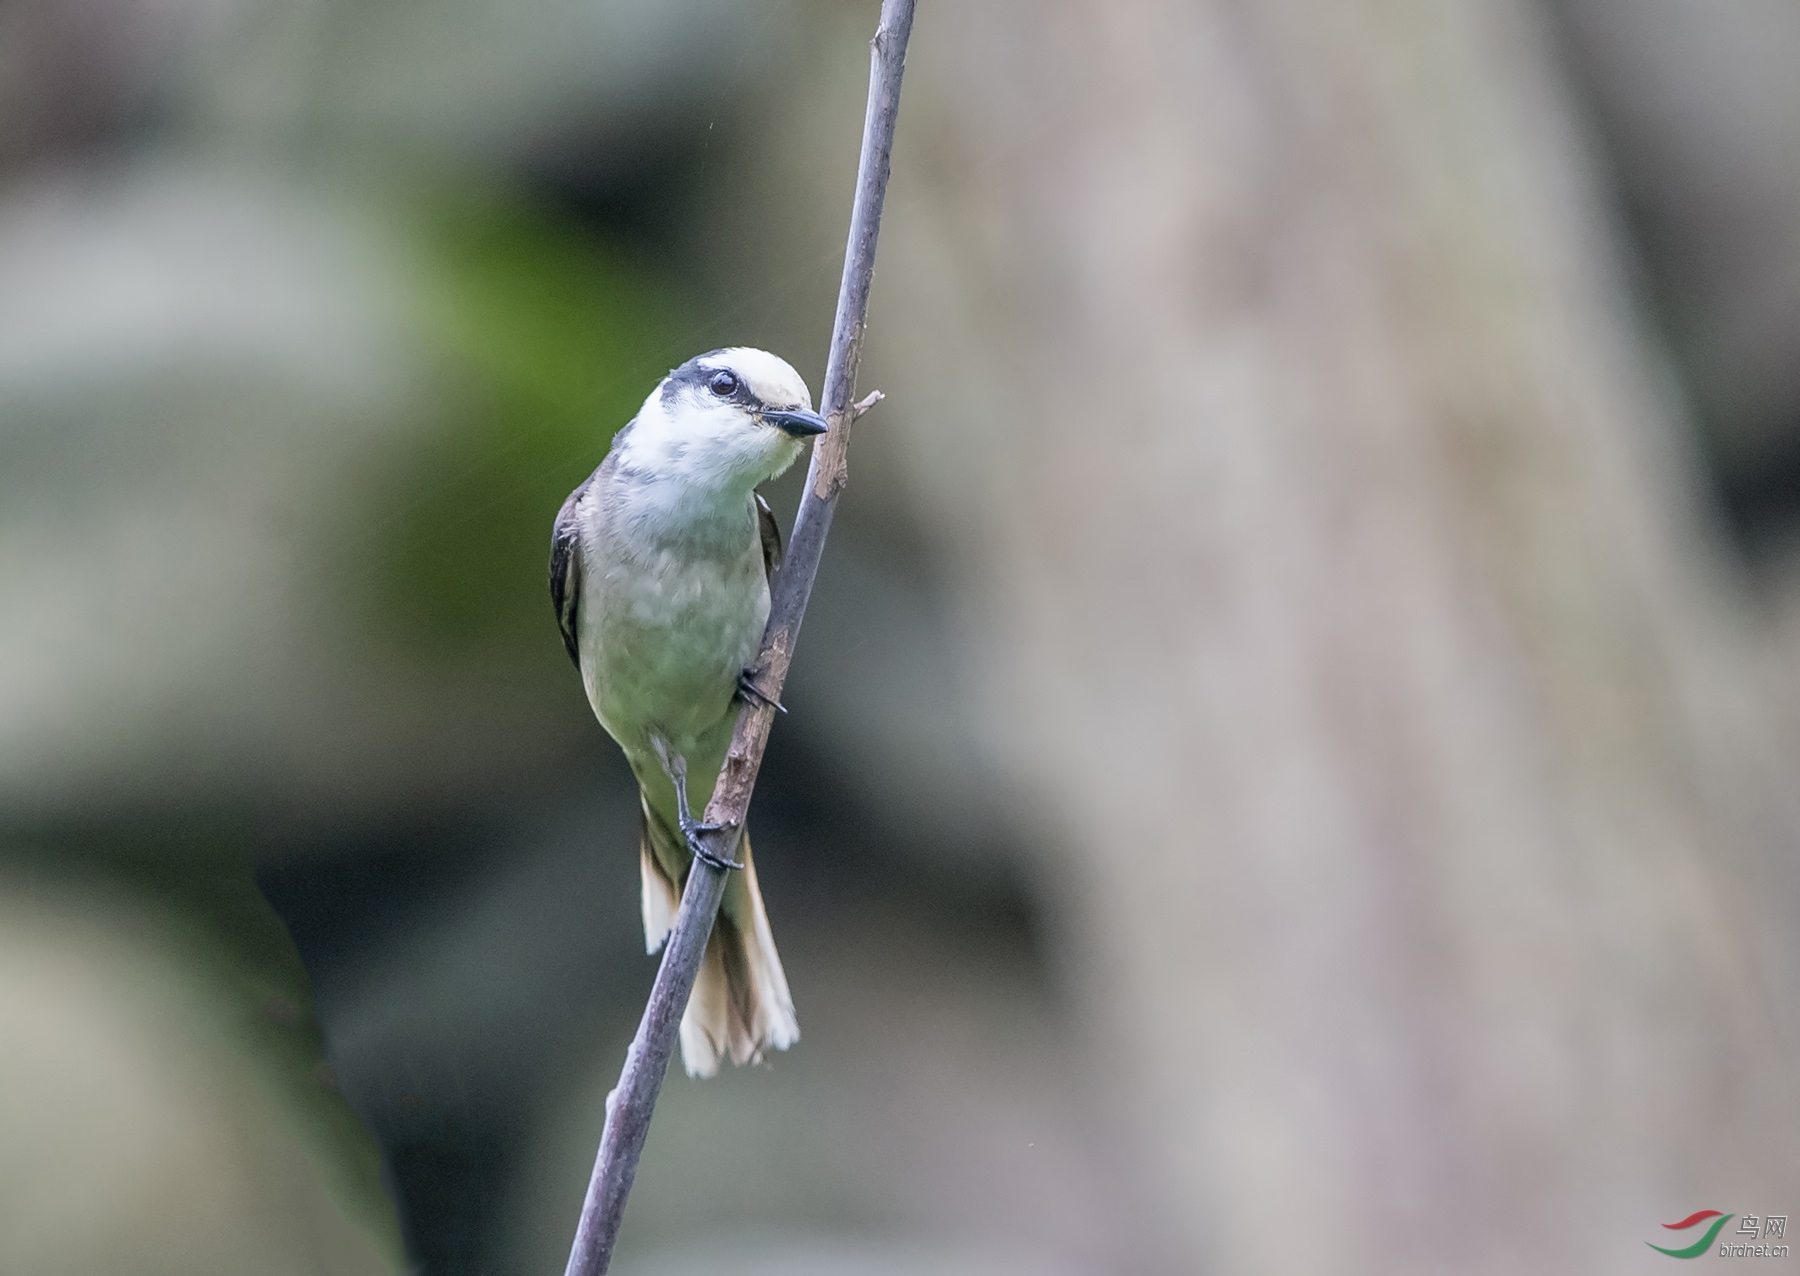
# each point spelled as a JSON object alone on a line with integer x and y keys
{"x": 631, "y": 1103}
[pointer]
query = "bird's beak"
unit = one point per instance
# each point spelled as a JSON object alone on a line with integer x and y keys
{"x": 800, "y": 423}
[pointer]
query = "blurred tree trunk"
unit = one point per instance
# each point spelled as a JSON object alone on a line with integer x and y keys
{"x": 1351, "y": 630}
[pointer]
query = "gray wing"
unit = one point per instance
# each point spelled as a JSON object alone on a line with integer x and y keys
{"x": 565, "y": 571}
{"x": 771, "y": 536}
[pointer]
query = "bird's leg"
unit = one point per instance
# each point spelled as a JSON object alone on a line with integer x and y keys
{"x": 694, "y": 832}
{"x": 747, "y": 688}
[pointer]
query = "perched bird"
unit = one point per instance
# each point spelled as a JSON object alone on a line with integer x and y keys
{"x": 659, "y": 572}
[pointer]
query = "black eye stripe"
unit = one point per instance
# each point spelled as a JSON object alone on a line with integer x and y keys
{"x": 695, "y": 377}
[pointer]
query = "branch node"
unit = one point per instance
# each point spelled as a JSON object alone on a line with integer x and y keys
{"x": 863, "y": 404}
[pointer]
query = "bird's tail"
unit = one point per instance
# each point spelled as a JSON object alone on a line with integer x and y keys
{"x": 740, "y": 1006}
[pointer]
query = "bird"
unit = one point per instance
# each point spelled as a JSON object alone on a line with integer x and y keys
{"x": 660, "y": 565}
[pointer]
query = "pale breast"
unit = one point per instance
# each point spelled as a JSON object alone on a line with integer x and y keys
{"x": 665, "y": 628}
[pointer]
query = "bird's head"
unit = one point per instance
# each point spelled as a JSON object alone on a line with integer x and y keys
{"x": 726, "y": 418}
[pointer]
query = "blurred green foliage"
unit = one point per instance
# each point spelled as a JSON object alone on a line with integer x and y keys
{"x": 552, "y": 336}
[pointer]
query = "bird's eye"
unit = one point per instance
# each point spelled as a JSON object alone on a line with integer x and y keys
{"x": 723, "y": 384}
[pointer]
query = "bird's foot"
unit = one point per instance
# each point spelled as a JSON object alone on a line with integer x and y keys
{"x": 747, "y": 688}
{"x": 695, "y": 833}
{"x": 698, "y": 848}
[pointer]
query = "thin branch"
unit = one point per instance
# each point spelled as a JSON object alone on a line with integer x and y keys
{"x": 629, "y": 1108}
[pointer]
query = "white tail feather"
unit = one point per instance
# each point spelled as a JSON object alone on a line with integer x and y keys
{"x": 660, "y": 900}
{"x": 740, "y": 1007}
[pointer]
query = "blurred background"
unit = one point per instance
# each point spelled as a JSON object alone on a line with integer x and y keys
{"x": 1291, "y": 763}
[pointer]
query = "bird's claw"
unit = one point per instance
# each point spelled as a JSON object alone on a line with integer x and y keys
{"x": 747, "y": 688}
{"x": 694, "y": 832}
{"x": 699, "y": 850}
